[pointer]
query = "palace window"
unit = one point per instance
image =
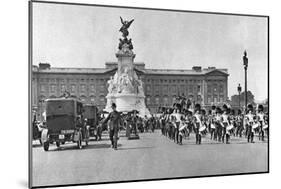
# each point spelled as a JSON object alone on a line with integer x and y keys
{"x": 182, "y": 89}
{"x": 215, "y": 88}
{"x": 102, "y": 100}
{"x": 92, "y": 88}
{"x": 190, "y": 88}
{"x": 209, "y": 99}
{"x": 209, "y": 89}
{"x": 148, "y": 100}
{"x": 73, "y": 88}
{"x": 53, "y": 88}
{"x": 42, "y": 88}
{"x": 221, "y": 89}
{"x": 165, "y": 100}
{"x": 174, "y": 99}
{"x": 83, "y": 88}
{"x": 165, "y": 89}
{"x": 157, "y": 87}
{"x": 157, "y": 100}
{"x": 221, "y": 98}
{"x": 215, "y": 99}
{"x": 101, "y": 88}
{"x": 148, "y": 88}
{"x": 173, "y": 89}
{"x": 63, "y": 88}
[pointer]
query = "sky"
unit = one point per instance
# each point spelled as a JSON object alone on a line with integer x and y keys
{"x": 88, "y": 36}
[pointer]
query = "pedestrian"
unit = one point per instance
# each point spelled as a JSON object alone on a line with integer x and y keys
{"x": 114, "y": 119}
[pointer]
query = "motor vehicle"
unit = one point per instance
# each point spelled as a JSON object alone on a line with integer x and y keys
{"x": 64, "y": 123}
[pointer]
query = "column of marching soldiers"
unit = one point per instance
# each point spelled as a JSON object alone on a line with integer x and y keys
{"x": 219, "y": 123}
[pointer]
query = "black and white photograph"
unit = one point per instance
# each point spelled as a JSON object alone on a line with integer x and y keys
{"x": 124, "y": 94}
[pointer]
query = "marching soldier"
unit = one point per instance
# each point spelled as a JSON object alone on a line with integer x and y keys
{"x": 249, "y": 120}
{"x": 225, "y": 122}
{"x": 182, "y": 127}
{"x": 114, "y": 119}
{"x": 239, "y": 124}
{"x": 230, "y": 124}
{"x": 197, "y": 123}
{"x": 261, "y": 120}
{"x": 212, "y": 123}
{"x": 218, "y": 124}
{"x": 177, "y": 124}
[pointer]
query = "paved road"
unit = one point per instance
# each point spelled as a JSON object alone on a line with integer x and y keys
{"x": 153, "y": 156}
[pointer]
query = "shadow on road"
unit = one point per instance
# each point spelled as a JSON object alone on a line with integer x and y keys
{"x": 90, "y": 146}
{"x": 220, "y": 143}
{"x": 137, "y": 148}
{"x": 36, "y": 145}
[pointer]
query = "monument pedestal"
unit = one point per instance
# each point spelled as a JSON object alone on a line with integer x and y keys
{"x": 125, "y": 88}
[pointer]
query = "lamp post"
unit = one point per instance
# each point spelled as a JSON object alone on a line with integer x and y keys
{"x": 239, "y": 88}
{"x": 245, "y": 62}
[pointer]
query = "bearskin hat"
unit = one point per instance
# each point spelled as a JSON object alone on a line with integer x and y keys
{"x": 218, "y": 110}
{"x": 224, "y": 107}
{"x": 260, "y": 107}
{"x": 239, "y": 112}
{"x": 203, "y": 112}
{"x": 197, "y": 107}
{"x": 178, "y": 106}
{"x": 250, "y": 108}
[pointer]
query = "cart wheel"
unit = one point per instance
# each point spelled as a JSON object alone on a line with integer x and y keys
{"x": 46, "y": 146}
{"x": 58, "y": 144}
{"x": 79, "y": 142}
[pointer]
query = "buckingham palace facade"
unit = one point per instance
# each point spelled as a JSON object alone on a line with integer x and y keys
{"x": 206, "y": 86}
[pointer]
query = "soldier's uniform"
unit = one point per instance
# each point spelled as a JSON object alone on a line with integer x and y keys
{"x": 261, "y": 121}
{"x": 239, "y": 124}
{"x": 212, "y": 124}
{"x": 177, "y": 124}
{"x": 224, "y": 121}
{"x": 218, "y": 123}
{"x": 249, "y": 118}
{"x": 197, "y": 123}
